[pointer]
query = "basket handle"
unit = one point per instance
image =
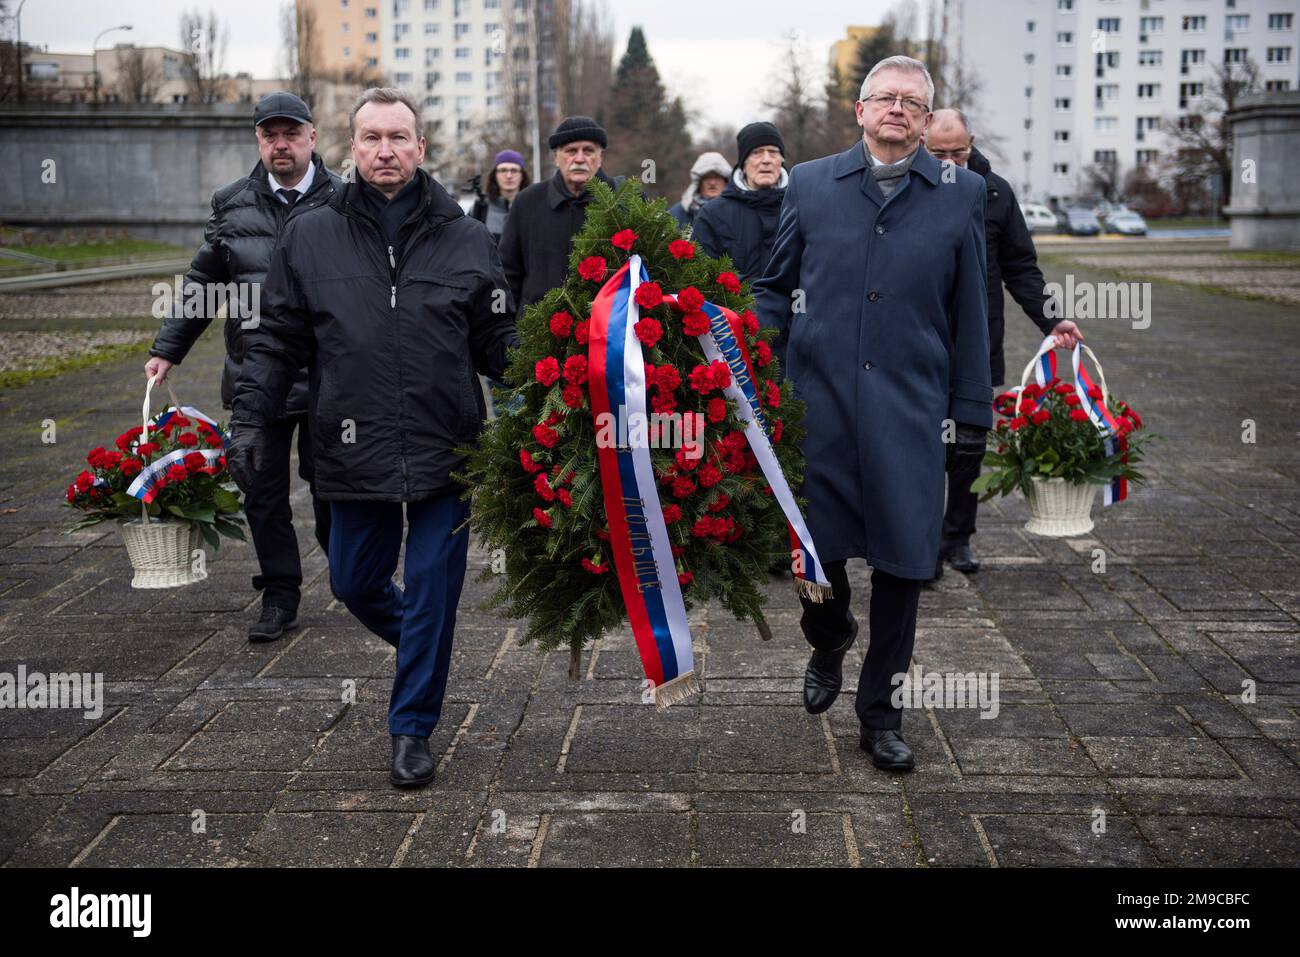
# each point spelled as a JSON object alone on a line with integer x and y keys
{"x": 1076, "y": 363}
{"x": 144, "y": 418}
{"x": 1047, "y": 345}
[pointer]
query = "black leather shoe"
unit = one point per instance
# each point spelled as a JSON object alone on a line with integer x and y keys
{"x": 275, "y": 621}
{"x": 888, "y": 751}
{"x": 825, "y": 674}
{"x": 963, "y": 559}
{"x": 413, "y": 765}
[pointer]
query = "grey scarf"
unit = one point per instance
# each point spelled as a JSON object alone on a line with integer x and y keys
{"x": 889, "y": 175}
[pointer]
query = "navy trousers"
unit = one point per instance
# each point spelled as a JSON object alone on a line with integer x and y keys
{"x": 419, "y": 619}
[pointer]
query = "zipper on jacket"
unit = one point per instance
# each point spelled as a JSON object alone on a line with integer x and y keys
{"x": 392, "y": 264}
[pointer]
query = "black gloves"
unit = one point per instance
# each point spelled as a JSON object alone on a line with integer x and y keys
{"x": 967, "y": 452}
{"x": 245, "y": 454}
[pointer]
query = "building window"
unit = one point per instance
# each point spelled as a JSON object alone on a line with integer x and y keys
{"x": 343, "y": 4}
{"x": 1192, "y": 58}
{"x": 432, "y": 55}
{"x": 1029, "y": 58}
{"x": 372, "y": 37}
{"x": 400, "y": 30}
{"x": 1188, "y": 92}
{"x": 462, "y": 103}
{"x": 1105, "y": 157}
{"x": 431, "y": 5}
{"x": 1064, "y": 69}
{"x": 1064, "y": 38}
{"x": 1279, "y": 54}
{"x": 432, "y": 28}
{"x": 347, "y": 52}
{"x": 1234, "y": 55}
{"x": 462, "y": 127}
{"x": 402, "y": 79}
{"x": 1061, "y": 169}
{"x": 1194, "y": 24}
{"x": 1065, "y": 6}
{"x": 372, "y": 13}
{"x": 1237, "y": 23}
{"x": 1109, "y": 59}
{"x": 399, "y": 7}
{"x": 1151, "y": 25}
{"x": 1107, "y": 91}
{"x": 1029, "y": 26}
{"x": 1279, "y": 21}
{"x": 464, "y": 77}
{"x": 346, "y": 27}
{"x": 1151, "y": 57}
{"x": 1105, "y": 124}
{"x": 372, "y": 61}
{"x": 402, "y": 53}
{"x": 491, "y": 4}
{"x": 1062, "y": 104}
{"x": 462, "y": 30}
{"x": 433, "y": 101}
{"x": 1148, "y": 91}
{"x": 1146, "y": 157}
{"x": 1108, "y": 24}
{"x": 1061, "y": 136}
{"x": 1277, "y": 86}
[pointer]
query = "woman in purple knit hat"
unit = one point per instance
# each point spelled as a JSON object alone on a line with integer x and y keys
{"x": 506, "y": 178}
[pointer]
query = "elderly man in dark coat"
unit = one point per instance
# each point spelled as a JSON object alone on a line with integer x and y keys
{"x": 742, "y": 222}
{"x": 877, "y": 283}
{"x": 1012, "y": 259}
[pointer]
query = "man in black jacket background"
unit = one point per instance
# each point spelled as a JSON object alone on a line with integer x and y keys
{"x": 741, "y": 223}
{"x": 247, "y": 218}
{"x": 546, "y": 216}
{"x": 1013, "y": 260}
{"x": 394, "y": 299}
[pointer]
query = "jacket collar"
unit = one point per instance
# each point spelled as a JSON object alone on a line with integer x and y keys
{"x": 435, "y": 204}
{"x": 978, "y": 163}
{"x": 322, "y": 178}
{"x": 854, "y": 160}
{"x": 557, "y": 195}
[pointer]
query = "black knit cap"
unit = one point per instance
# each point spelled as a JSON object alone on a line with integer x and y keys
{"x": 574, "y": 128}
{"x": 755, "y": 135}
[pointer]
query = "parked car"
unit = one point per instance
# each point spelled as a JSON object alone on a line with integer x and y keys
{"x": 1081, "y": 222}
{"x": 1038, "y": 218}
{"x": 1126, "y": 222}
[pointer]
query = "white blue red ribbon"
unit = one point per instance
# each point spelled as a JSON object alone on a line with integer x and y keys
{"x": 144, "y": 487}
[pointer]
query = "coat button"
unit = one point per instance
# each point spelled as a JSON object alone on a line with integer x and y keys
{"x": 880, "y": 230}
{"x": 873, "y": 296}
{"x": 867, "y": 365}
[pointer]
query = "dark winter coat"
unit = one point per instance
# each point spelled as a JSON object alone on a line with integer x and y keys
{"x": 889, "y": 339}
{"x": 1012, "y": 260}
{"x": 538, "y": 236}
{"x": 740, "y": 223}
{"x": 392, "y": 340}
{"x": 247, "y": 219}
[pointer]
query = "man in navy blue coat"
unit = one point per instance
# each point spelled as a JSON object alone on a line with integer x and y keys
{"x": 877, "y": 283}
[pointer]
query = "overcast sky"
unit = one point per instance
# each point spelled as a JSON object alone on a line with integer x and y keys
{"x": 717, "y": 55}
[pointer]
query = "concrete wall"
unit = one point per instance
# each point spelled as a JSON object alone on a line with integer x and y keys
{"x": 1265, "y": 210}
{"x": 151, "y": 170}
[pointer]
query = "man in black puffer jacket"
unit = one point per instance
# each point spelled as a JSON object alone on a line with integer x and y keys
{"x": 741, "y": 223}
{"x": 247, "y": 218}
{"x": 394, "y": 299}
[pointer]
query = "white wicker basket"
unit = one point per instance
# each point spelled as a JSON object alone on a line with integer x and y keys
{"x": 1058, "y": 508}
{"x": 162, "y": 553}
{"x": 162, "y": 550}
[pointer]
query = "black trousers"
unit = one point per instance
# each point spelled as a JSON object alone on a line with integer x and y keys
{"x": 270, "y": 519}
{"x": 959, "y": 516}
{"x": 894, "y": 602}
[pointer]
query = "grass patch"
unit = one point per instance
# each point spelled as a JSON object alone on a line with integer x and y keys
{"x": 1188, "y": 222}
{"x": 77, "y": 252}
{"x": 1280, "y": 256}
{"x": 49, "y": 368}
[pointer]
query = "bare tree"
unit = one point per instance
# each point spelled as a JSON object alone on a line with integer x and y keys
{"x": 203, "y": 56}
{"x": 798, "y": 112}
{"x": 1103, "y": 180}
{"x": 139, "y": 78}
{"x": 1202, "y": 137}
{"x": 300, "y": 52}
{"x": 718, "y": 138}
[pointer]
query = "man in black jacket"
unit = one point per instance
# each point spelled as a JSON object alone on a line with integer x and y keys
{"x": 394, "y": 299}
{"x": 741, "y": 223}
{"x": 247, "y": 218}
{"x": 547, "y": 215}
{"x": 1013, "y": 260}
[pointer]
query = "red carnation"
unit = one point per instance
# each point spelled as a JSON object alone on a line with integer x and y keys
{"x": 717, "y": 410}
{"x": 214, "y": 440}
{"x": 110, "y": 460}
{"x": 1078, "y": 415}
{"x": 685, "y": 578}
{"x": 684, "y": 462}
{"x": 663, "y": 403}
{"x": 561, "y": 324}
{"x": 690, "y": 299}
{"x": 575, "y": 370}
{"x": 194, "y": 461}
{"x": 681, "y": 249}
{"x": 773, "y": 396}
{"x": 543, "y": 488}
{"x": 547, "y": 370}
{"x": 649, "y": 295}
{"x": 1094, "y": 392}
{"x": 1028, "y": 406}
{"x": 702, "y": 379}
{"x": 131, "y": 467}
{"x": 729, "y": 281}
{"x": 710, "y": 476}
{"x": 776, "y": 431}
{"x": 1131, "y": 414}
{"x": 188, "y": 439}
{"x": 667, "y": 378}
{"x": 1064, "y": 388}
{"x": 592, "y": 268}
{"x": 750, "y": 322}
{"x": 682, "y": 487}
{"x": 572, "y": 396}
{"x": 762, "y": 354}
{"x": 721, "y": 373}
{"x": 72, "y": 492}
{"x": 582, "y": 331}
{"x": 566, "y": 499}
{"x": 592, "y": 567}
{"x": 695, "y": 324}
{"x": 94, "y": 455}
{"x": 722, "y": 502}
{"x": 176, "y": 473}
{"x": 1018, "y": 422}
{"x": 649, "y": 331}
{"x": 84, "y": 481}
{"x": 545, "y": 436}
{"x": 623, "y": 239}
{"x": 1040, "y": 417}
{"x": 542, "y": 518}
{"x": 672, "y": 513}
{"x": 1073, "y": 399}
{"x": 526, "y": 460}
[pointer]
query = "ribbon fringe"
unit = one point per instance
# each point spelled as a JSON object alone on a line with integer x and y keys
{"x": 812, "y": 590}
{"x": 679, "y": 689}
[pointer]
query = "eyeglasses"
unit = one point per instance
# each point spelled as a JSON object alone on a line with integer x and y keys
{"x": 950, "y": 154}
{"x": 885, "y": 101}
{"x": 509, "y": 170}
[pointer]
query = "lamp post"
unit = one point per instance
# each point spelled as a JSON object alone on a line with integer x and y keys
{"x": 94, "y": 54}
{"x": 18, "y": 17}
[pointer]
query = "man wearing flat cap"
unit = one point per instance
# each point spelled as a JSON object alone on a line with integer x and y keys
{"x": 247, "y": 218}
{"x": 547, "y": 215}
